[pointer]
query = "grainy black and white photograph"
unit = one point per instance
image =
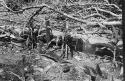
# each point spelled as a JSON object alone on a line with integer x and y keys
{"x": 61, "y": 40}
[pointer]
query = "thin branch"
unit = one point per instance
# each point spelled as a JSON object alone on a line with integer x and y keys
{"x": 112, "y": 22}
{"x": 109, "y": 12}
{"x": 24, "y": 9}
{"x": 116, "y": 6}
{"x": 20, "y": 11}
{"x": 84, "y": 10}
{"x": 5, "y": 6}
{"x": 4, "y": 11}
{"x": 10, "y": 21}
{"x": 106, "y": 1}
{"x": 33, "y": 15}
{"x": 69, "y": 16}
{"x": 102, "y": 4}
{"x": 44, "y": 5}
{"x": 95, "y": 14}
{"x": 92, "y": 15}
{"x": 10, "y": 14}
{"x": 15, "y": 75}
{"x": 62, "y": 13}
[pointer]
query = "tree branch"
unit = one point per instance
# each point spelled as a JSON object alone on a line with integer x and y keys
{"x": 36, "y": 13}
{"x": 95, "y": 14}
{"x": 112, "y": 23}
{"x": 10, "y": 21}
{"x": 102, "y": 4}
{"x": 91, "y": 15}
{"x": 76, "y": 19}
{"x": 3, "y": 11}
{"x": 16, "y": 75}
{"x": 5, "y": 6}
{"x": 109, "y": 12}
{"x": 66, "y": 15}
